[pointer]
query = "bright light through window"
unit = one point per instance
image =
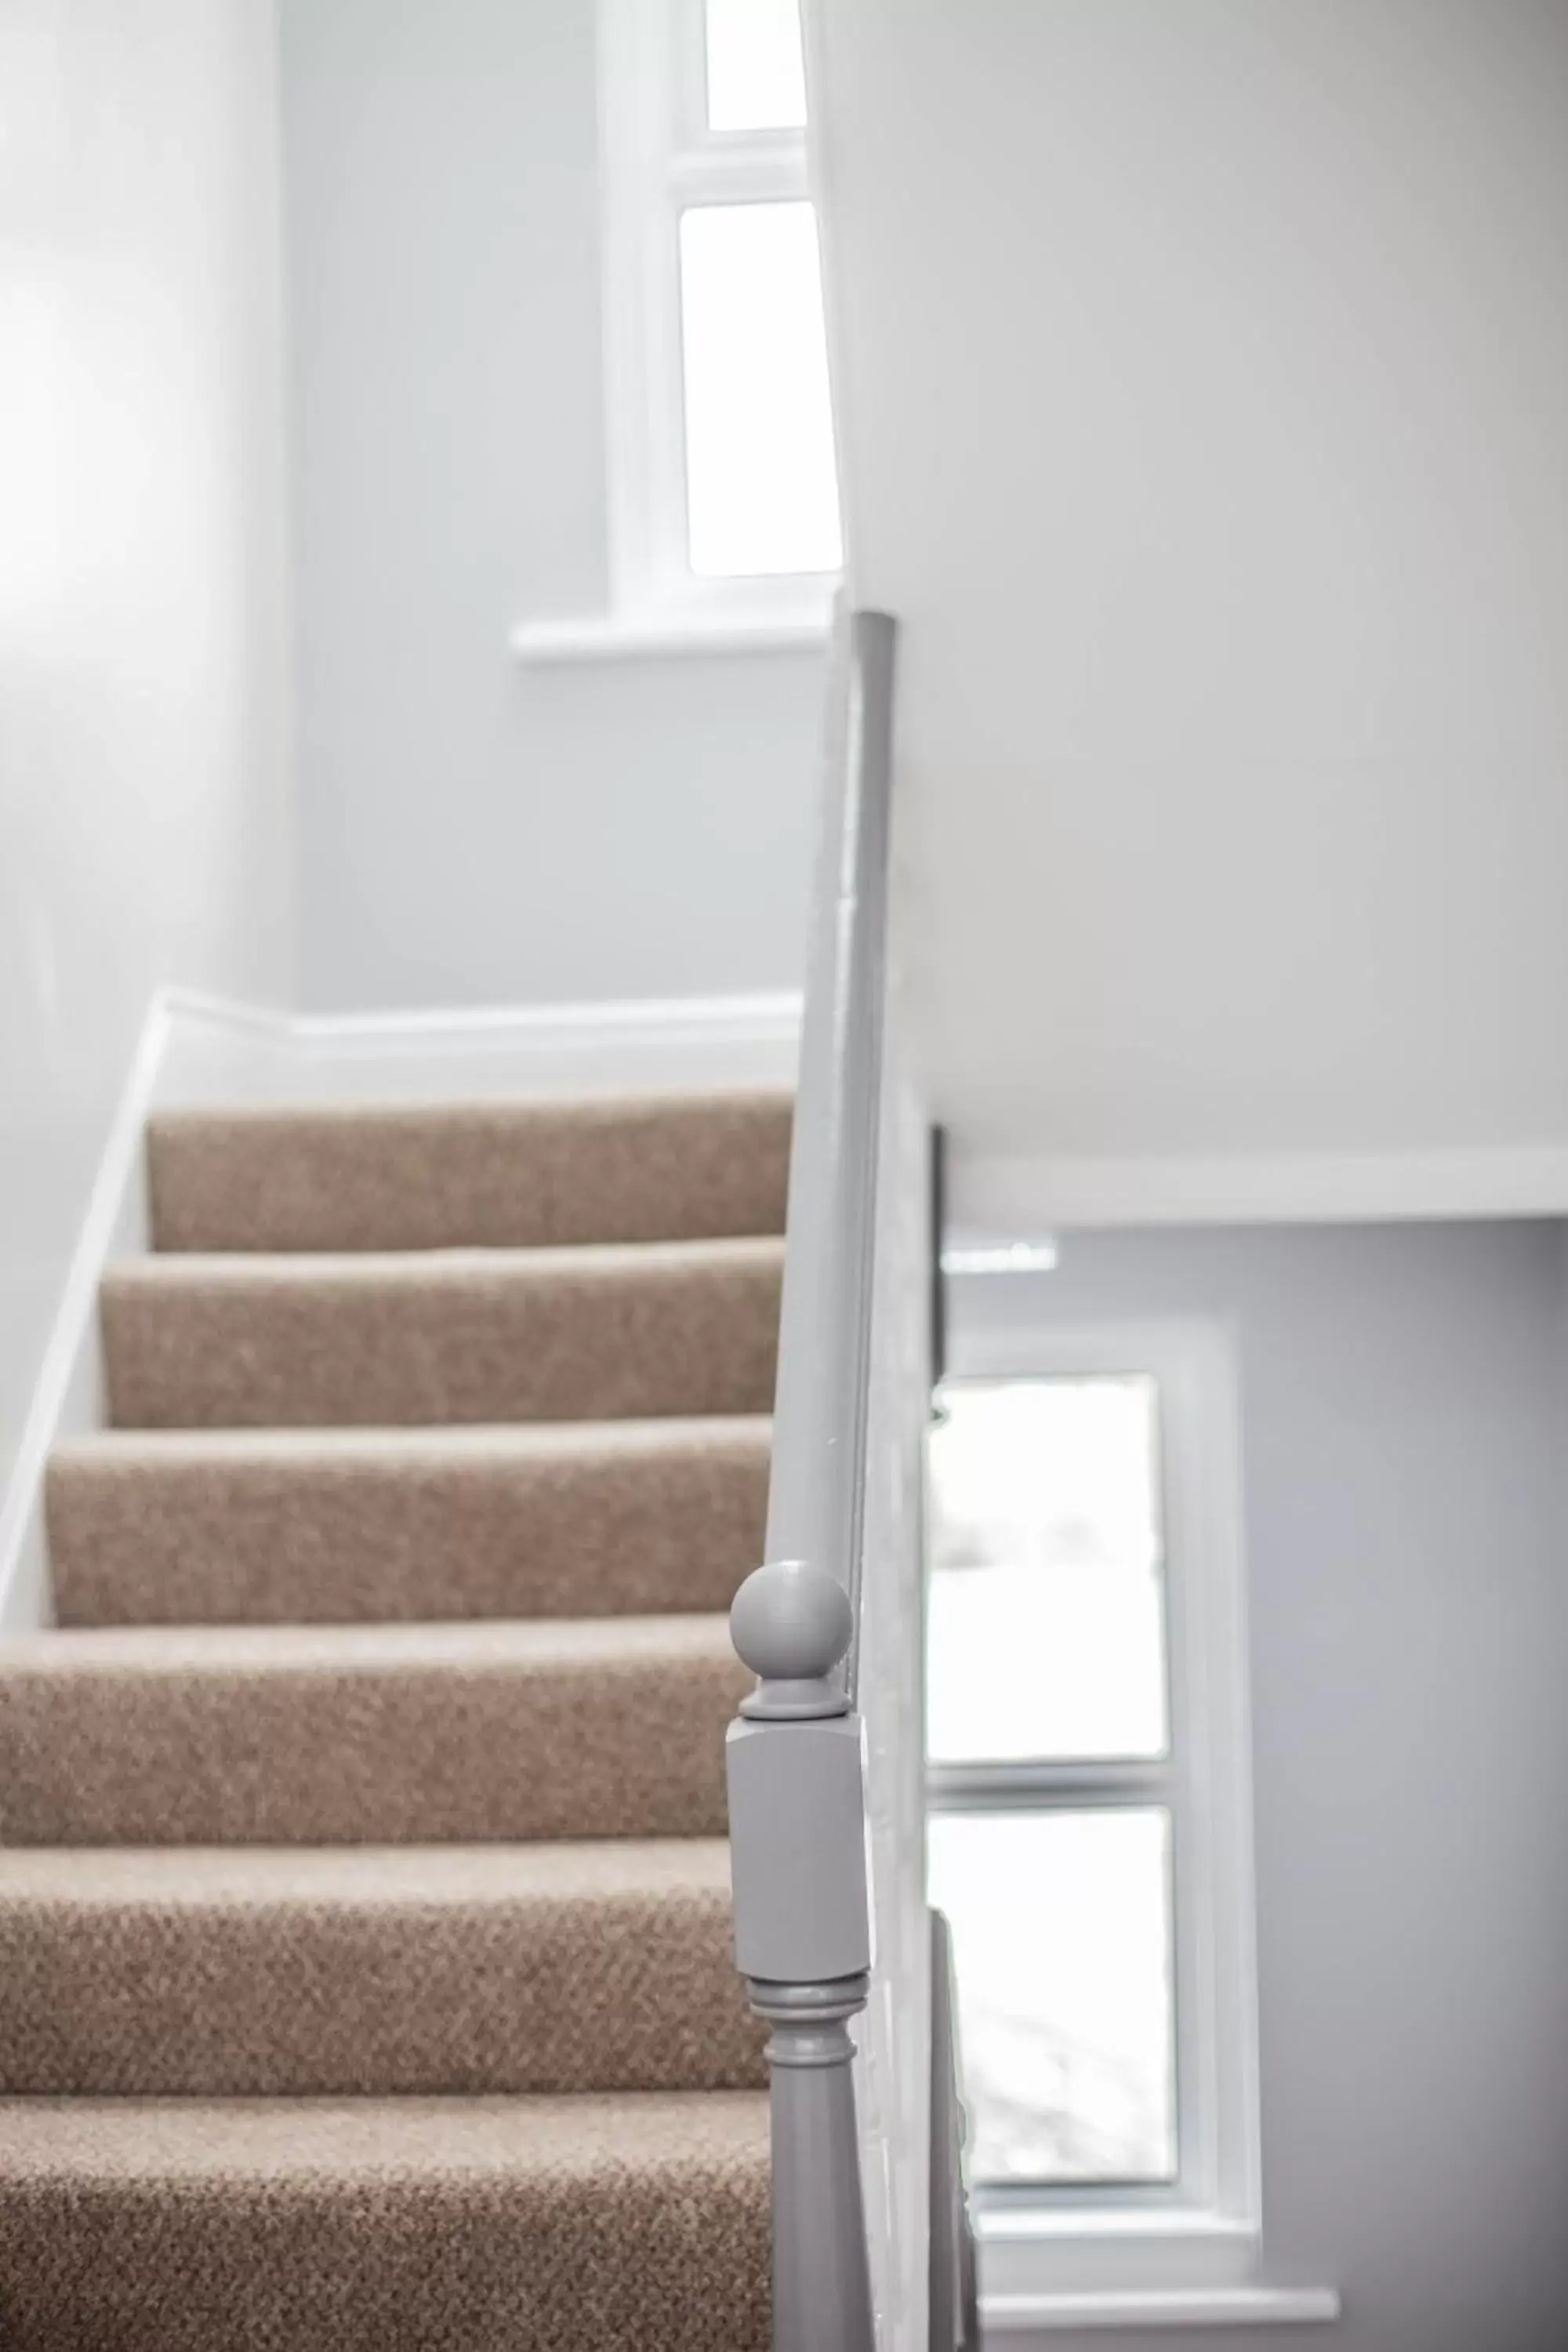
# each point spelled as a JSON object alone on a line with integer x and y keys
{"x": 755, "y": 78}
{"x": 1045, "y": 1626}
{"x": 1087, "y": 1796}
{"x": 1045, "y": 1654}
{"x": 724, "y": 486}
{"x": 761, "y": 493}
{"x": 1061, "y": 1941}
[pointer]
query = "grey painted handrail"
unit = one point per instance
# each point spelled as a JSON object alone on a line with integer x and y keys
{"x": 798, "y": 1801}
{"x": 819, "y": 1418}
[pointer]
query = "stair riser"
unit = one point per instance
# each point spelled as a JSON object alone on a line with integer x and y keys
{"x": 499, "y": 1176}
{"x": 325, "y": 1756}
{"x": 206, "y": 1346}
{"x": 307, "y": 1539}
{"x": 305, "y": 2000}
{"x": 669, "y": 2259}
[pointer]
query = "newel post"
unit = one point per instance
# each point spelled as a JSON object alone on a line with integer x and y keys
{"x": 802, "y": 1938}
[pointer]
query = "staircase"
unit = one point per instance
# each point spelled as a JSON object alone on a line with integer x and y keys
{"x": 365, "y": 1968}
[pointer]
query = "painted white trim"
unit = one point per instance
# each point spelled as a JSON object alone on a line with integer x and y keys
{"x": 1003, "y": 1195}
{"x": 1236, "y": 2307}
{"x": 219, "y": 1051}
{"x": 197, "y": 1050}
{"x": 674, "y": 635}
{"x": 766, "y": 1014}
{"x": 67, "y": 1393}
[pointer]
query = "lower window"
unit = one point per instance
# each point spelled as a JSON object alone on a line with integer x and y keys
{"x": 1089, "y": 1829}
{"x": 1062, "y": 1923}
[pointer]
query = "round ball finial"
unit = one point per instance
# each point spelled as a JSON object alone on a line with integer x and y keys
{"x": 791, "y": 1622}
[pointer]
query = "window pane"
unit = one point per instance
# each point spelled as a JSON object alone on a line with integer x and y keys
{"x": 1046, "y": 1625}
{"x": 756, "y": 80}
{"x": 761, "y": 494}
{"x": 1062, "y": 1938}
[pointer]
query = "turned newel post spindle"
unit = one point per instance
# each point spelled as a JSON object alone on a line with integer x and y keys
{"x": 802, "y": 1938}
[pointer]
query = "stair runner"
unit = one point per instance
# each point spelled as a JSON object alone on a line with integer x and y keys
{"x": 365, "y": 1977}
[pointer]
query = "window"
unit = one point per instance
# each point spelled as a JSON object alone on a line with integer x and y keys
{"x": 1089, "y": 1831}
{"x": 723, "y": 494}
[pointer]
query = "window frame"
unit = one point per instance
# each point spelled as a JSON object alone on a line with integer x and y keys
{"x": 1203, "y": 2227}
{"x": 658, "y": 159}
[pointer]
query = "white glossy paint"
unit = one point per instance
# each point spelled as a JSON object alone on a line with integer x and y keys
{"x": 1204, "y": 372}
{"x": 479, "y": 828}
{"x": 1023, "y": 2316}
{"x": 144, "y": 827}
{"x": 219, "y": 1051}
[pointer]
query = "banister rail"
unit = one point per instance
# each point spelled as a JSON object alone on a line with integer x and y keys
{"x": 819, "y": 1430}
{"x": 797, "y": 1797}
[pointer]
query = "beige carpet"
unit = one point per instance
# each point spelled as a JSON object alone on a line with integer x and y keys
{"x": 365, "y": 1977}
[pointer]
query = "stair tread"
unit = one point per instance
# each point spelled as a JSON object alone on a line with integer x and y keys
{"x": 324, "y": 2143}
{"x": 467, "y": 1646}
{"x": 464, "y": 1265}
{"x": 408, "y": 1449}
{"x": 524, "y": 1114}
{"x": 82, "y": 1878}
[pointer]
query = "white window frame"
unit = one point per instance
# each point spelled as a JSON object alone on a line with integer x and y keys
{"x": 1051, "y": 2251}
{"x": 658, "y": 157}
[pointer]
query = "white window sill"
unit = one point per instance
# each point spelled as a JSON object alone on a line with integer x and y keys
{"x": 1180, "y": 2266}
{"x": 615, "y": 637}
{"x": 1226, "y": 2306}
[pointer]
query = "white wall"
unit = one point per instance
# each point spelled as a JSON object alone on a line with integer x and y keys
{"x": 1403, "y": 1398}
{"x": 473, "y": 830}
{"x": 144, "y": 826}
{"x": 1204, "y": 378}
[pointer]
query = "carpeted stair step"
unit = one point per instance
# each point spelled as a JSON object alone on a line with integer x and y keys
{"x": 329, "y": 1525}
{"x": 590, "y": 2224}
{"x": 246, "y": 1972}
{"x": 506, "y": 1175}
{"x": 610, "y": 1333}
{"x": 373, "y": 1735}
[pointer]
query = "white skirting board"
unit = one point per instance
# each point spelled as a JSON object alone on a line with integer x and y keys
{"x": 229, "y": 1053}
{"x": 199, "y": 1051}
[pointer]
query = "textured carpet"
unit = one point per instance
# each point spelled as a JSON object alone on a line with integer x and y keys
{"x": 636, "y": 2224}
{"x": 496, "y": 1175}
{"x": 585, "y": 1518}
{"x": 218, "y": 1973}
{"x": 608, "y": 1726}
{"x": 631, "y": 1330}
{"x": 366, "y": 1975}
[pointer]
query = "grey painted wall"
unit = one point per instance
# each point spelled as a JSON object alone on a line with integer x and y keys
{"x": 145, "y": 829}
{"x": 472, "y": 830}
{"x": 1405, "y": 1396}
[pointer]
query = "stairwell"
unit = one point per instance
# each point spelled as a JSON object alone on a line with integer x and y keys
{"x": 366, "y": 1975}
